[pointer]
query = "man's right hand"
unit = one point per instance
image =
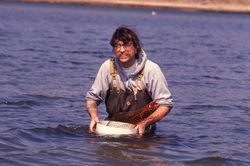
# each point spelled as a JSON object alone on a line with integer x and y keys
{"x": 92, "y": 124}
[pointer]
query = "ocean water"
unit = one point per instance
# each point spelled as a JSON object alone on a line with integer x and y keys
{"x": 50, "y": 55}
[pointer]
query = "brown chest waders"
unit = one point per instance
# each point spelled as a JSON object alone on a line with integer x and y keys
{"x": 118, "y": 100}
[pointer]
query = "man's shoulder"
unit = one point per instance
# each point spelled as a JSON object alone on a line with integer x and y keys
{"x": 104, "y": 68}
{"x": 105, "y": 64}
{"x": 151, "y": 65}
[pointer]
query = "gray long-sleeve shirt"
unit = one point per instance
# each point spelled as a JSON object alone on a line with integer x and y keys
{"x": 153, "y": 81}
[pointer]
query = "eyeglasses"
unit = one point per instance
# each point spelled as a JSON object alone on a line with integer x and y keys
{"x": 127, "y": 46}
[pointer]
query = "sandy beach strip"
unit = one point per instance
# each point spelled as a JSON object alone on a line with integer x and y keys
{"x": 157, "y": 4}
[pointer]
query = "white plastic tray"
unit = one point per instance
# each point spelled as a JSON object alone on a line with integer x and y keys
{"x": 102, "y": 128}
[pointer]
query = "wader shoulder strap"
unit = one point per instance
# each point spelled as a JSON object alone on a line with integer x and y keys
{"x": 113, "y": 72}
{"x": 139, "y": 79}
{"x": 113, "y": 69}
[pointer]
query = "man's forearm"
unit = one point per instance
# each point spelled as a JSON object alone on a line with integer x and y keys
{"x": 159, "y": 114}
{"x": 92, "y": 108}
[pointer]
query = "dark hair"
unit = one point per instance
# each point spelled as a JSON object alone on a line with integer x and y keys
{"x": 125, "y": 34}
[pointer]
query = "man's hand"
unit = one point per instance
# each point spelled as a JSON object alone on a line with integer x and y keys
{"x": 159, "y": 114}
{"x": 92, "y": 124}
{"x": 92, "y": 110}
{"x": 141, "y": 127}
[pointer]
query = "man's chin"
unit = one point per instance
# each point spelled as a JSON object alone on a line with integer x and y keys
{"x": 123, "y": 60}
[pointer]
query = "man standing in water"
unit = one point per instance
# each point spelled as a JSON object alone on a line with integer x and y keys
{"x": 128, "y": 82}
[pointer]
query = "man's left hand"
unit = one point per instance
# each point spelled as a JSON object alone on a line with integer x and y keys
{"x": 141, "y": 127}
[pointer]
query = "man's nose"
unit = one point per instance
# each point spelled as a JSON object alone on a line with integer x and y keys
{"x": 122, "y": 49}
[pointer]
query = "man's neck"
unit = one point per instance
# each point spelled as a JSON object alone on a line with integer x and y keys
{"x": 128, "y": 64}
{"x": 128, "y": 71}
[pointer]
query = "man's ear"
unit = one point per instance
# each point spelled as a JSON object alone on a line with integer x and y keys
{"x": 136, "y": 52}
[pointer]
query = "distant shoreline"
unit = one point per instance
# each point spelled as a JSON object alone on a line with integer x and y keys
{"x": 156, "y": 4}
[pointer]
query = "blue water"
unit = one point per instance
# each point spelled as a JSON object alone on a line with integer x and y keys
{"x": 50, "y": 55}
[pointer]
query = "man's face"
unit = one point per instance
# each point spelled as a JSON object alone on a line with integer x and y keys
{"x": 125, "y": 53}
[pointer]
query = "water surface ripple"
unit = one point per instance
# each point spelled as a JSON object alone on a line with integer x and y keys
{"x": 49, "y": 57}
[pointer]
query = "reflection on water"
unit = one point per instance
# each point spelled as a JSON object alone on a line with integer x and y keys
{"x": 49, "y": 58}
{"x": 129, "y": 150}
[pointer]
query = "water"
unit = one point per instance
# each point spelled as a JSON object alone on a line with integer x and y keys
{"x": 49, "y": 57}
